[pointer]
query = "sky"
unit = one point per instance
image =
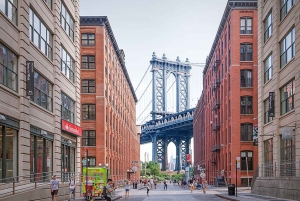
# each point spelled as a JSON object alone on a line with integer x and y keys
{"x": 184, "y": 28}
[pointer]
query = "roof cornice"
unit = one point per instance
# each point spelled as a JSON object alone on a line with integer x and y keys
{"x": 103, "y": 21}
{"x": 231, "y": 5}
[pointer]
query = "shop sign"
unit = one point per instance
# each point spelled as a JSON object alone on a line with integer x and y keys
{"x": 29, "y": 78}
{"x": 271, "y": 104}
{"x": 188, "y": 158}
{"x": 238, "y": 163}
{"x": 255, "y": 135}
{"x": 71, "y": 128}
{"x": 287, "y": 132}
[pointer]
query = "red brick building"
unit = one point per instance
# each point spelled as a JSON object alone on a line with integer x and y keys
{"x": 228, "y": 104}
{"x": 108, "y": 101}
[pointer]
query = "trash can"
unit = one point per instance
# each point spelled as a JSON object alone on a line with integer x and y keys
{"x": 231, "y": 189}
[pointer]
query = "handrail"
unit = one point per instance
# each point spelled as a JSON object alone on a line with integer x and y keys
{"x": 15, "y": 185}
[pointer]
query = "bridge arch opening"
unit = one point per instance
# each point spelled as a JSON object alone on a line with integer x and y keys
{"x": 171, "y": 156}
{"x": 171, "y": 92}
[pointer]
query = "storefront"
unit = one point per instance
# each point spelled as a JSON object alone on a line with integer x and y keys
{"x": 69, "y": 135}
{"x": 9, "y": 128}
{"x": 41, "y": 154}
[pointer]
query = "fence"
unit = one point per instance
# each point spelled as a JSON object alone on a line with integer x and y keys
{"x": 282, "y": 169}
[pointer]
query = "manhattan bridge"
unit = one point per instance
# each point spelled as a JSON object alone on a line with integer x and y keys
{"x": 170, "y": 119}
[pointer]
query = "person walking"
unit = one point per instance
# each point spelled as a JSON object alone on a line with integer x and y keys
{"x": 165, "y": 185}
{"x": 148, "y": 188}
{"x": 155, "y": 183}
{"x": 127, "y": 189}
{"x": 54, "y": 185}
{"x": 204, "y": 185}
{"x": 109, "y": 189}
{"x": 72, "y": 186}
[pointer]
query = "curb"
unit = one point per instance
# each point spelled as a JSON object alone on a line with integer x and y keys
{"x": 226, "y": 198}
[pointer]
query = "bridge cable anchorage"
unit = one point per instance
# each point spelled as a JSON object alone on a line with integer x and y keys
{"x": 144, "y": 91}
{"x": 144, "y": 109}
{"x": 142, "y": 78}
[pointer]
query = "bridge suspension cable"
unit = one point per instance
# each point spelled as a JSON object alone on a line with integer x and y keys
{"x": 145, "y": 91}
{"x": 142, "y": 78}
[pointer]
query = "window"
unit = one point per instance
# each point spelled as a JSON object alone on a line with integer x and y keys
{"x": 40, "y": 35}
{"x": 67, "y": 158}
{"x": 88, "y": 86}
{"x": 246, "y": 160}
{"x": 87, "y": 39}
{"x": 268, "y": 27}
{"x": 286, "y": 6}
{"x": 267, "y": 119}
{"x": 246, "y": 25}
{"x": 88, "y": 111}
{"x": 246, "y": 52}
{"x": 88, "y": 62}
{"x": 8, "y": 68}
{"x": 268, "y": 158}
{"x": 246, "y": 78}
{"x": 67, "y": 64}
{"x": 8, "y": 154}
{"x": 66, "y": 21}
{"x": 287, "y": 157}
{"x": 49, "y": 3}
{"x": 10, "y": 9}
{"x": 91, "y": 161}
{"x": 40, "y": 150}
{"x": 43, "y": 90}
{"x": 287, "y": 48}
{"x": 287, "y": 97}
{"x": 67, "y": 108}
{"x": 88, "y": 138}
{"x": 246, "y": 105}
{"x": 268, "y": 68}
{"x": 246, "y": 132}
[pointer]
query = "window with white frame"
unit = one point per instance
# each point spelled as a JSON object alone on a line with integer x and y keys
{"x": 287, "y": 97}
{"x": 247, "y": 132}
{"x": 39, "y": 34}
{"x": 246, "y": 160}
{"x": 67, "y": 64}
{"x": 66, "y": 21}
{"x": 267, "y": 119}
{"x": 246, "y": 25}
{"x": 285, "y": 7}
{"x": 268, "y": 68}
{"x": 268, "y": 27}
{"x": 246, "y": 78}
{"x": 287, "y": 48}
{"x": 10, "y": 9}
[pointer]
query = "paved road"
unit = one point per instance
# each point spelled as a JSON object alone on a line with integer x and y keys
{"x": 176, "y": 193}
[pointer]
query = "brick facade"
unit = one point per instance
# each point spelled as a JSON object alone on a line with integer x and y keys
{"x": 117, "y": 143}
{"x": 229, "y": 102}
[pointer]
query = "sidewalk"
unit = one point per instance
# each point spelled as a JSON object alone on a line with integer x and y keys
{"x": 243, "y": 194}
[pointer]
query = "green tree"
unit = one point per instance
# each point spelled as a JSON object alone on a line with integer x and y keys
{"x": 153, "y": 168}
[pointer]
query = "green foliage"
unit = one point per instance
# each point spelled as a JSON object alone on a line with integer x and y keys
{"x": 177, "y": 177}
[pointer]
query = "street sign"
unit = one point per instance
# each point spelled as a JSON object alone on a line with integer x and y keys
{"x": 238, "y": 163}
{"x": 202, "y": 175}
{"x": 134, "y": 168}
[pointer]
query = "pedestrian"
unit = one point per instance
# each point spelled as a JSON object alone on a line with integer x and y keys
{"x": 151, "y": 182}
{"x": 155, "y": 183}
{"x": 204, "y": 185}
{"x": 148, "y": 188}
{"x": 72, "y": 186}
{"x": 127, "y": 189}
{"x": 192, "y": 187}
{"x": 165, "y": 185}
{"x": 110, "y": 189}
{"x": 54, "y": 185}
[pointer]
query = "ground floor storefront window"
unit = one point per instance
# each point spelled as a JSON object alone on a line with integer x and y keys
{"x": 8, "y": 150}
{"x": 41, "y": 154}
{"x": 67, "y": 158}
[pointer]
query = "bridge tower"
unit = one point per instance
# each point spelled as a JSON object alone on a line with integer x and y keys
{"x": 161, "y": 69}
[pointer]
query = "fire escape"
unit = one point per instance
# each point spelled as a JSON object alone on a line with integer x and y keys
{"x": 216, "y": 147}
